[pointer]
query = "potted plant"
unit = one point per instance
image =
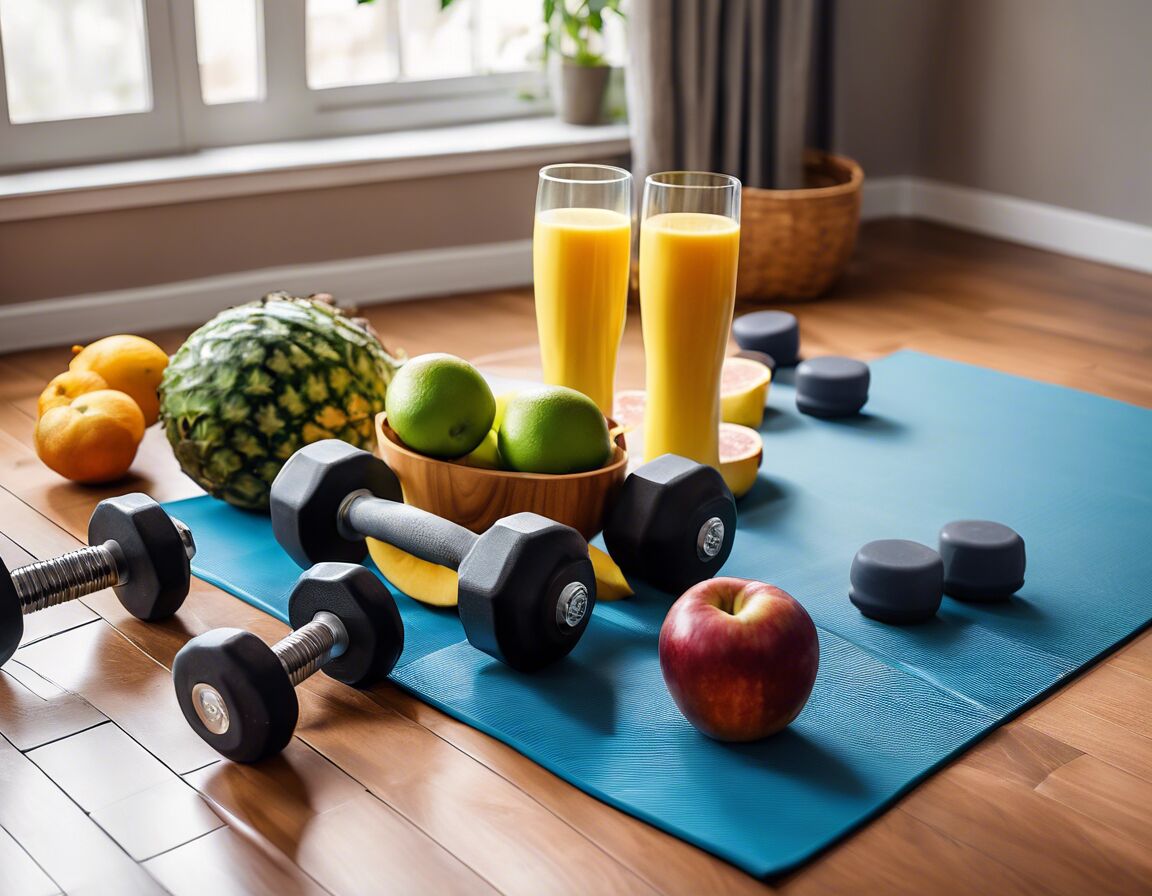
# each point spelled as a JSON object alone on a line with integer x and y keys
{"x": 574, "y": 29}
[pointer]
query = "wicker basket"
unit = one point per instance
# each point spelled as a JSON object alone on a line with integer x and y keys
{"x": 794, "y": 244}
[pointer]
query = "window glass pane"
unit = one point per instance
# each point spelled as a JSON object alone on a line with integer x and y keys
{"x": 74, "y": 58}
{"x": 350, "y": 43}
{"x": 437, "y": 43}
{"x": 510, "y": 35}
{"x": 228, "y": 40}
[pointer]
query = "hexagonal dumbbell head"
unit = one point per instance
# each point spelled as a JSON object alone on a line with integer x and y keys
{"x": 238, "y": 693}
{"x": 673, "y": 524}
{"x": 527, "y": 589}
{"x": 355, "y": 596}
{"x": 309, "y": 491}
{"x": 156, "y": 551}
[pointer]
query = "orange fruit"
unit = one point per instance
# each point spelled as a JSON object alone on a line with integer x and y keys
{"x": 741, "y": 450}
{"x": 129, "y": 364}
{"x": 93, "y": 438}
{"x": 66, "y": 386}
{"x": 743, "y": 391}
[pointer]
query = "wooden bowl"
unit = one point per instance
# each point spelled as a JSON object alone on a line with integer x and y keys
{"x": 476, "y": 498}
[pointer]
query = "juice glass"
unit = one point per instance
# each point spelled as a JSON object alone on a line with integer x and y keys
{"x": 689, "y": 248}
{"x": 581, "y": 254}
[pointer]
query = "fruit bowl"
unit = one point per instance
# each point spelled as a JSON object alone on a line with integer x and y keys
{"x": 476, "y": 498}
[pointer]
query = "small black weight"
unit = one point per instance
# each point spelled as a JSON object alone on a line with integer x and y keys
{"x": 832, "y": 386}
{"x": 983, "y": 560}
{"x": 673, "y": 524}
{"x": 359, "y": 600}
{"x": 897, "y": 581}
{"x": 259, "y": 702}
{"x": 776, "y": 333}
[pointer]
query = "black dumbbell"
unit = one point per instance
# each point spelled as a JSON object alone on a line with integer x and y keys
{"x": 673, "y": 523}
{"x": 526, "y": 586}
{"x": 135, "y": 548}
{"x": 239, "y": 694}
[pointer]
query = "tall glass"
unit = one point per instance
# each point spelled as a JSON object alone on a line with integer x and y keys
{"x": 581, "y": 254}
{"x": 689, "y": 249}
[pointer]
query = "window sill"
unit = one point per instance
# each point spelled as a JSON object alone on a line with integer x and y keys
{"x": 302, "y": 165}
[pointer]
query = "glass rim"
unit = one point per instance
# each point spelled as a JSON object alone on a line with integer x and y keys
{"x": 725, "y": 181}
{"x": 621, "y": 174}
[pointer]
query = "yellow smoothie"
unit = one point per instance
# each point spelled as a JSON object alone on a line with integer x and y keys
{"x": 580, "y": 267}
{"x": 687, "y": 287}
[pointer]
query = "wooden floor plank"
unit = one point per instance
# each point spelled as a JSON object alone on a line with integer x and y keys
{"x": 1106, "y": 740}
{"x": 225, "y": 863}
{"x": 71, "y": 849}
{"x": 1050, "y": 844}
{"x": 33, "y": 712}
{"x": 157, "y": 819}
{"x": 1117, "y": 800}
{"x": 97, "y": 663}
{"x": 19, "y": 875}
{"x": 100, "y": 766}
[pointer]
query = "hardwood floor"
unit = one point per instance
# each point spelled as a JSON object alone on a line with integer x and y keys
{"x": 104, "y": 788}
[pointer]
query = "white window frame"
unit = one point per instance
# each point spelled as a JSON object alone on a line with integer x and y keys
{"x": 180, "y": 120}
{"x": 153, "y": 132}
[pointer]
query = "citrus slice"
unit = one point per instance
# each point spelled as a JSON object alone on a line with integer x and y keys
{"x": 741, "y": 450}
{"x": 438, "y": 586}
{"x": 743, "y": 391}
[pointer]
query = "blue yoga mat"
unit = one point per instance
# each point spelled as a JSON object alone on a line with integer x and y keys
{"x": 939, "y": 441}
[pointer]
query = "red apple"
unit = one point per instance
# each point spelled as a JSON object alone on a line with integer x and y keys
{"x": 739, "y": 657}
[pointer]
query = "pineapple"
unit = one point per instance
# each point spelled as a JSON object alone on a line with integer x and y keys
{"x": 261, "y": 380}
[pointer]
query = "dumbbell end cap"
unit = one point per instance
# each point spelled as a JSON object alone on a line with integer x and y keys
{"x": 232, "y": 671}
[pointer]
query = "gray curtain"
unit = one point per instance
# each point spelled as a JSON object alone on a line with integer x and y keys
{"x": 721, "y": 85}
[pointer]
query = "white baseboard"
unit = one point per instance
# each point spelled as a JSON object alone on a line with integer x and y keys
{"x": 884, "y": 197}
{"x": 354, "y": 281}
{"x": 1038, "y": 224}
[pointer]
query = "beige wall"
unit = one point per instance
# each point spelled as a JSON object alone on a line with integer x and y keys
{"x": 882, "y": 50}
{"x": 64, "y": 256}
{"x": 1049, "y": 100}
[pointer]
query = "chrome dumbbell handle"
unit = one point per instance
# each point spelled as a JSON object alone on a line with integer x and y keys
{"x": 416, "y": 531}
{"x": 309, "y": 647}
{"x": 47, "y": 583}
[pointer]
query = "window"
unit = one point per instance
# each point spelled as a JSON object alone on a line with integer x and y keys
{"x": 85, "y": 80}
